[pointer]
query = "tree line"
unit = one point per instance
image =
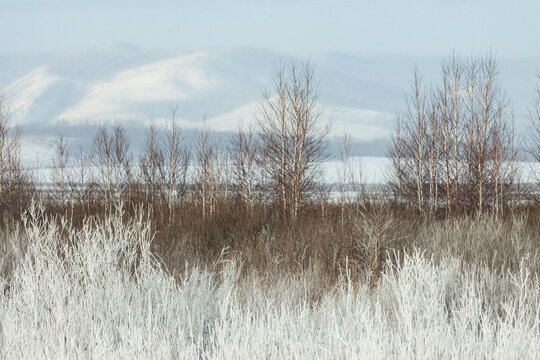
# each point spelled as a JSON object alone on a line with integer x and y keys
{"x": 453, "y": 151}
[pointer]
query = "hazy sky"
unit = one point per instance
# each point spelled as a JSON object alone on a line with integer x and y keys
{"x": 510, "y": 28}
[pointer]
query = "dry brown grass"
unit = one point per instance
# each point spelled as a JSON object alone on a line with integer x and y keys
{"x": 321, "y": 242}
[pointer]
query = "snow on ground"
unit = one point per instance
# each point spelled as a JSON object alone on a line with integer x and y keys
{"x": 369, "y": 170}
{"x": 38, "y": 153}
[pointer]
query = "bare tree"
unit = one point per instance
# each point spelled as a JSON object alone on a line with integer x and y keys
{"x": 455, "y": 142}
{"x": 534, "y": 137}
{"x": 397, "y": 174}
{"x": 451, "y": 105}
{"x": 293, "y": 141}
{"x": 176, "y": 160}
{"x": 416, "y": 112}
{"x": 59, "y": 169}
{"x": 79, "y": 177}
{"x": 351, "y": 183}
{"x": 164, "y": 163}
{"x": 206, "y": 171}
{"x": 242, "y": 152}
{"x": 9, "y": 144}
{"x": 490, "y": 153}
{"x": 111, "y": 159}
{"x": 410, "y": 145}
{"x": 344, "y": 175}
{"x": 151, "y": 163}
{"x": 16, "y": 185}
{"x": 212, "y": 172}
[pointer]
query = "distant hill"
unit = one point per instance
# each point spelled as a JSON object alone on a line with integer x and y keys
{"x": 126, "y": 84}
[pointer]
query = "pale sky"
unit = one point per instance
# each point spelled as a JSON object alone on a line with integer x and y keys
{"x": 510, "y": 28}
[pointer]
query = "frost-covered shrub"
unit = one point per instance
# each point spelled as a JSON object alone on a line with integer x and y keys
{"x": 97, "y": 292}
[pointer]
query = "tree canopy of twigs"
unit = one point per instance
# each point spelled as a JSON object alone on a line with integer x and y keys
{"x": 16, "y": 185}
{"x": 293, "y": 140}
{"x": 453, "y": 144}
{"x": 534, "y": 117}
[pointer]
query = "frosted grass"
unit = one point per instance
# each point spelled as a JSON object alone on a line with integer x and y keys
{"x": 105, "y": 297}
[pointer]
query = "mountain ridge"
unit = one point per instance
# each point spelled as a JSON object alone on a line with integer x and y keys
{"x": 127, "y": 84}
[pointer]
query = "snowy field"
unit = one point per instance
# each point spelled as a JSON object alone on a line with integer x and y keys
{"x": 105, "y": 297}
{"x": 366, "y": 169}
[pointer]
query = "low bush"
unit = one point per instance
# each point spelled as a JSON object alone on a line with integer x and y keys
{"x": 98, "y": 291}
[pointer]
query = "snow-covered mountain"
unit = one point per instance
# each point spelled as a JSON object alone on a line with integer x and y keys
{"x": 223, "y": 85}
{"x": 126, "y": 84}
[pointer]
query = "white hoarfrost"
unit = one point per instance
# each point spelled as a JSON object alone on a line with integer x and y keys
{"x": 101, "y": 295}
